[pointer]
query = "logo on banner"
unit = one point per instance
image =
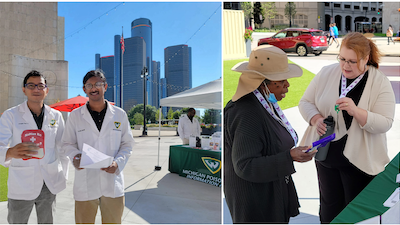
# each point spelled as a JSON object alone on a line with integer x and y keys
{"x": 117, "y": 124}
{"x": 213, "y": 165}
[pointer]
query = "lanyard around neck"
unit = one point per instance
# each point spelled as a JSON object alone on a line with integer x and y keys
{"x": 281, "y": 119}
{"x": 344, "y": 89}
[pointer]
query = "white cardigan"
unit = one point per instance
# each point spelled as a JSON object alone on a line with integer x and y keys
{"x": 366, "y": 146}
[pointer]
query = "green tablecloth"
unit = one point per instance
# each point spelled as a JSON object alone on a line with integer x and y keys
{"x": 196, "y": 164}
{"x": 369, "y": 203}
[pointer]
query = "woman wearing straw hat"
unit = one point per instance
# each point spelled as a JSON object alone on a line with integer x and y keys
{"x": 362, "y": 102}
{"x": 259, "y": 141}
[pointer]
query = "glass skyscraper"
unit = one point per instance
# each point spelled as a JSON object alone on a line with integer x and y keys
{"x": 106, "y": 64}
{"x": 178, "y": 68}
{"x": 134, "y": 61}
{"x": 142, "y": 27}
{"x": 127, "y": 91}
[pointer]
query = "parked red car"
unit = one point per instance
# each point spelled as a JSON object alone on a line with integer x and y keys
{"x": 299, "y": 40}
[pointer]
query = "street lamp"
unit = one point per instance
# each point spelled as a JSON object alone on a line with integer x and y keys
{"x": 144, "y": 76}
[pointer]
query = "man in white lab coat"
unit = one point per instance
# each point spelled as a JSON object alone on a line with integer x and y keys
{"x": 32, "y": 181}
{"x": 188, "y": 125}
{"x": 106, "y": 128}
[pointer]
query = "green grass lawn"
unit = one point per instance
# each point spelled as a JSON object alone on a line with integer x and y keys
{"x": 297, "y": 87}
{"x": 3, "y": 183}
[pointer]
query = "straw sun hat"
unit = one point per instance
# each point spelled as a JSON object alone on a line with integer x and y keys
{"x": 265, "y": 62}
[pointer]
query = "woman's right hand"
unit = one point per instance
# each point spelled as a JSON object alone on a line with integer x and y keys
{"x": 299, "y": 155}
{"x": 318, "y": 122}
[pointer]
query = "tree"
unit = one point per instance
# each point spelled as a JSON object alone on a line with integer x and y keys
{"x": 157, "y": 115}
{"x": 176, "y": 114}
{"x": 247, "y": 10}
{"x": 138, "y": 118}
{"x": 170, "y": 112}
{"x": 270, "y": 11}
{"x": 150, "y": 112}
{"x": 184, "y": 110}
{"x": 212, "y": 116}
{"x": 258, "y": 13}
{"x": 290, "y": 12}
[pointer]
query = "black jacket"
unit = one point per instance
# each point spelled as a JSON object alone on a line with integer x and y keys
{"x": 257, "y": 165}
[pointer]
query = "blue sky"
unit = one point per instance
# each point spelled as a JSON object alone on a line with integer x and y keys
{"x": 90, "y": 28}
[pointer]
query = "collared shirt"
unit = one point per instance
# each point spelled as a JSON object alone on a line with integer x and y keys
{"x": 39, "y": 119}
{"x": 98, "y": 117}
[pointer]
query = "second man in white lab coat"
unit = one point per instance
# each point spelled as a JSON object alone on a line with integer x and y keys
{"x": 106, "y": 128}
{"x": 188, "y": 125}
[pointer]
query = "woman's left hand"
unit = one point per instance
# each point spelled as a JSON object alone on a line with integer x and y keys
{"x": 347, "y": 104}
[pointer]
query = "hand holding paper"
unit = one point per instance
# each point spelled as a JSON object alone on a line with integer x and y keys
{"x": 112, "y": 168}
{"x": 94, "y": 159}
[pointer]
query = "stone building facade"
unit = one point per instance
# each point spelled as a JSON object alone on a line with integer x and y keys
{"x": 31, "y": 37}
{"x": 347, "y": 15}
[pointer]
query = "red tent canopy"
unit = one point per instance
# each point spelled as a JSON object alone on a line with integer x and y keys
{"x": 70, "y": 104}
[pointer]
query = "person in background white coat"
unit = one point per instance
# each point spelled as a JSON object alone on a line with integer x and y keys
{"x": 32, "y": 181}
{"x": 106, "y": 128}
{"x": 188, "y": 125}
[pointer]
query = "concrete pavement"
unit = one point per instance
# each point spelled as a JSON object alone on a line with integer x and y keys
{"x": 150, "y": 196}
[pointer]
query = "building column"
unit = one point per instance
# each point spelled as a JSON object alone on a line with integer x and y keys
{"x": 352, "y": 25}
{"x": 343, "y": 28}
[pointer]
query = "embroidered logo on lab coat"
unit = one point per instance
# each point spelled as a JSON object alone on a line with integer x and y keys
{"x": 52, "y": 122}
{"x": 117, "y": 124}
{"x": 213, "y": 165}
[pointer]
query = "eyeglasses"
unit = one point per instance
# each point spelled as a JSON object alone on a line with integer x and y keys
{"x": 343, "y": 60}
{"x": 97, "y": 85}
{"x": 32, "y": 86}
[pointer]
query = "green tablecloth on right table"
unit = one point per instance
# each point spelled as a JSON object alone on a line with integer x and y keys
{"x": 369, "y": 203}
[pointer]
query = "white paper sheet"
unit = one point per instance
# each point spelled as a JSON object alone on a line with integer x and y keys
{"x": 393, "y": 199}
{"x": 94, "y": 159}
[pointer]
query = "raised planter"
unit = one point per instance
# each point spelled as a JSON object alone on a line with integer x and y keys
{"x": 248, "y": 47}
{"x": 137, "y": 127}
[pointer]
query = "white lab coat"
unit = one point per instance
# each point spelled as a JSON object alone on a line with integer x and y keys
{"x": 25, "y": 177}
{"x": 114, "y": 139}
{"x": 187, "y": 127}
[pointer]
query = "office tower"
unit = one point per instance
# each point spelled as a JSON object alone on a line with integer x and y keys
{"x": 142, "y": 27}
{"x": 155, "y": 84}
{"x": 133, "y": 63}
{"x": 178, "y": 68}
{"x": 106, "y": 64}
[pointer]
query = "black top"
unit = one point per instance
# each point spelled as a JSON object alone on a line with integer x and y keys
{"x": 257, "y": 164}
{"x": 98, "y": 117}
{"x": 335, "y": 155}
{"x": 39, "y": 119}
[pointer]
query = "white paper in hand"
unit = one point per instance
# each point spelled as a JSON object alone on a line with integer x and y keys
{"x": 94, "y": 159}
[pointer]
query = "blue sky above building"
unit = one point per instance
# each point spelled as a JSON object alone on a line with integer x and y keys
{"x": 90, "y": 28}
